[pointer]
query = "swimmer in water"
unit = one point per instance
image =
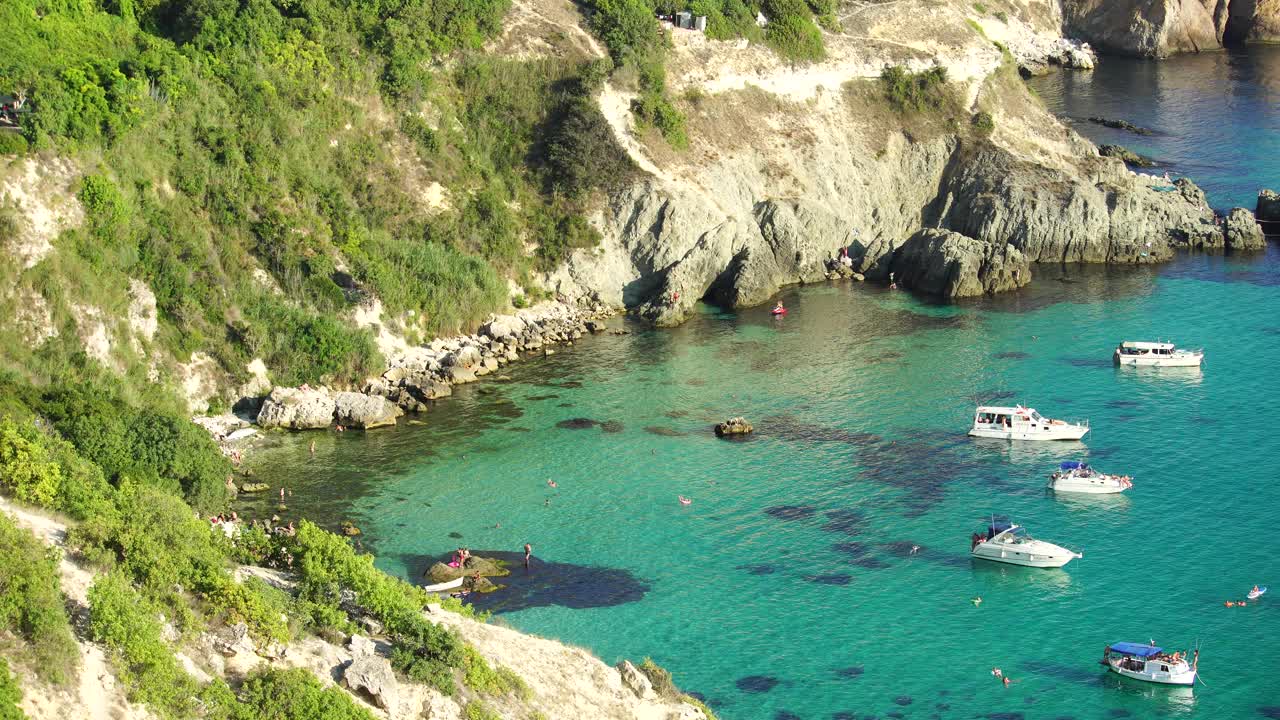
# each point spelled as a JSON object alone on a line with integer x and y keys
{"x": 552, "y": 483}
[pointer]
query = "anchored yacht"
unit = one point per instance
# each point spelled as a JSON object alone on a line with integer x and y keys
{"x": 1077, "y": 477}
{"x": 1019, "y": 423}
{"x": 1150, "y": 663}
{"x": 1009, "y": 543}
{"x": 1156, "y": 354}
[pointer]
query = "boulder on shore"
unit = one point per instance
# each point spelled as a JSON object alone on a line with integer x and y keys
{"x": 734, "y": 426}
{"x": 297, "y": 409}
{"x": 946, "y": 263}
{"x": 1242, "y": 231}
{"x": 365, "y": 411}
{"x": 372, "y": 676}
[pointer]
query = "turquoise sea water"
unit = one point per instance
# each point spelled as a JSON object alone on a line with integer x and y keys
{"x": 787, "y": 588}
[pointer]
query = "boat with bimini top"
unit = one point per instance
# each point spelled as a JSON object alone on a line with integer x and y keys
{"x": 1019, "y": 423}
{"x": 1077, "y": 477}
{"x": 1156, "y": 354}
{"x": 1010, "y": 543}
{"x": 1150, "y": 663}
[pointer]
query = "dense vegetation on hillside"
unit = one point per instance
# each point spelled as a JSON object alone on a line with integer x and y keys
{"x": 223, "y": 137}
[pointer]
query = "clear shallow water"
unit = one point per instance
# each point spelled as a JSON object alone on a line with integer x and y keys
{"x": 1216, "y": 116}
{"x": 793, "y": 562}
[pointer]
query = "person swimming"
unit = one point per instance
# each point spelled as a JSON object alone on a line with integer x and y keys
{"x": 684, "y": 500}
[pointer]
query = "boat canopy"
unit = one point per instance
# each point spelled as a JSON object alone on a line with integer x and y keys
{"x": 1001, "y": 410}
{"x": 1073, "y": 465}
{"x": 1146, "y": 345}
{"x": 1136, "y": 649}
{"x": 998, "y": 526}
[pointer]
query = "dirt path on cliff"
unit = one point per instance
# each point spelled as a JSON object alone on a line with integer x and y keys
{"x": 95, "y": 695}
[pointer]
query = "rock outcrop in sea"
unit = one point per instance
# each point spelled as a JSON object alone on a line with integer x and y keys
{"x": 946, "y": 263}
{"x": 1242, "y": 231}
{"x": 1168, "y": 27}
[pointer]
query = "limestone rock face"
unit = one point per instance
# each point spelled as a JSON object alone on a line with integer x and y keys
{"x": 1268, "y": 208}
{"x": 636, "y": 681}
{"x": 372, "y": 676}
{"x": 297, "y": 409}
{"x": 365, "y": 411}
{"x": 1164, "y": 27}
{"x": 1242, "y": 231}
{"x": 946, "y": 263}
{"x": 1146, "y": 28}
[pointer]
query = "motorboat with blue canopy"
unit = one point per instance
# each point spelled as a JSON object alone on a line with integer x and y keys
{"x": 1135, "y": 649}
{"x": 1151, "y": 663}
{"x": 1008, "y": 542}
{"x": 1075, "y": 476}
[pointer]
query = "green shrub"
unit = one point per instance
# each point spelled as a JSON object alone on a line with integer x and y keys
{"x": 791, "y": 31}
{"x": 31, "y": 603}
{"x": 980, "y": 8}
{"x": 10, "y": 695}
{"x": 1002, "y": 16}
{"x": 582, "y": 153}
{"x": 983, "y": 123}
{"x": 295, "y": 694}
{"x": 128, "y": 624}
{"x": 11, "y": 143}
{"x": 476, "y": 710}
{"x": 26, "y": 470}
{"x": 480, "y": 676}
{"x": 914, "y": 92}
{"x": 660, "y": 678}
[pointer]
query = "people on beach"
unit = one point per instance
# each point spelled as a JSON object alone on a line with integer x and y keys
{"x": 528, "y": 554}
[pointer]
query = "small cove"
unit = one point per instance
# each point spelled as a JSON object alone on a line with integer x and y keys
{"x": 788, "y": 588}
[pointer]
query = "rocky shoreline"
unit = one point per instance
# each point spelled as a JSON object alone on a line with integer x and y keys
{"x": 412, "y": 380}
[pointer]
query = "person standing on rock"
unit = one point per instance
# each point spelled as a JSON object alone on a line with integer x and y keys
{"x": 528, "y": 554}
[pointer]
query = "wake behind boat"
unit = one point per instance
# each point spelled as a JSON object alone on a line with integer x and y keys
{"x": 1019, "y": 423}
{"x": 1156, "y": 354}
{"x": 1077, "y": 477}
{"x": 1009, "y": 543}
{"x": 1151, "y": 663}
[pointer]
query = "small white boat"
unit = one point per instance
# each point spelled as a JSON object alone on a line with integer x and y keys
{"x": 1019, "y": 423}
{"x": 1156, "y": 354}
{"x": 1150, "y": 663}
{"x": 1257, "y": 592}
{"x": 444, "y": 586}
{"x": 1078, "y": 477}
{"x": 1009, "y": 543}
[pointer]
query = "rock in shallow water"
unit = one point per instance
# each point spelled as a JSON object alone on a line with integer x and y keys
{"x": 1242, "y": 231}
{"x": 297, "y": 409}
{"x": 946, "y": 263}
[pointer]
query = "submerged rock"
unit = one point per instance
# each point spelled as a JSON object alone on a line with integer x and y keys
{"x": 1122, "y": 153}
{"x": 946, "y": 263}
{"x": 1120, "y": 125}
{"x": 1242, "y": 231}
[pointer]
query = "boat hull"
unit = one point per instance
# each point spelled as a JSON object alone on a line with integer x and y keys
{"x": 1184, "y": 678}
{"x": 1101, "y": 487}
{"x": 1052, "y": 432}
{"x": 1054, "y": 558}
{"x": 1182, "y": 361}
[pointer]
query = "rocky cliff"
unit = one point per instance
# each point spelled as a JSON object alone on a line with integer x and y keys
{"x": 787, "y": 165}
{"x": 1158, "y": 28}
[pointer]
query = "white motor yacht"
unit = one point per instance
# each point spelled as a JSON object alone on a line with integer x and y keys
{"x": 1019, "y": 423}
{"x": 1078, "y": 477}
{"x": 1009, "y": 543}
{"x": 1156, "y": 354}
{"x": 1150, "y": 663}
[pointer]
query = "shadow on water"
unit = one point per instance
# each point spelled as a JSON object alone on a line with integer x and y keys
{"x": 547, "y": 583}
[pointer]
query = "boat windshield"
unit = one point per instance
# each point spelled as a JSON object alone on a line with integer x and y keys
{"x": 1037, "y": 416}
